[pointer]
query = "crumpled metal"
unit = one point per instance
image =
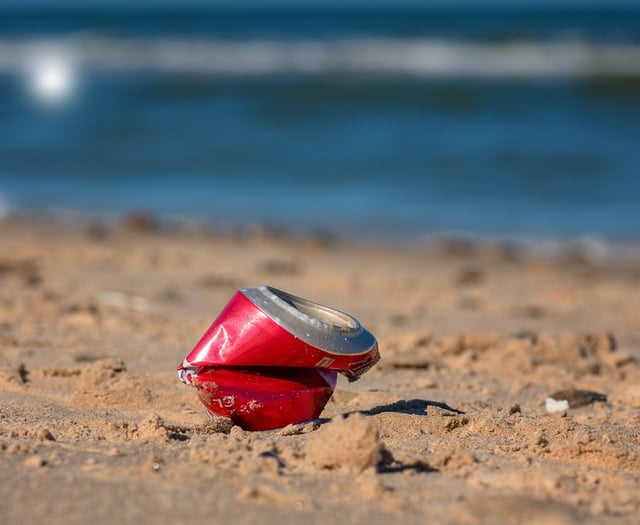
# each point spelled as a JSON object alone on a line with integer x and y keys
{"x": 271, "y": 359}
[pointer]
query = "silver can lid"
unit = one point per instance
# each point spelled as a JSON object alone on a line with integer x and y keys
{"x": 317, "y": 325}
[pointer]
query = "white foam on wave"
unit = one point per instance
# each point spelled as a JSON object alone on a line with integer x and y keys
{"x": 367, "y": 56}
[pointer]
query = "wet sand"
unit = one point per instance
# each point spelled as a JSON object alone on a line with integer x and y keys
{"x": 450, "y": 426}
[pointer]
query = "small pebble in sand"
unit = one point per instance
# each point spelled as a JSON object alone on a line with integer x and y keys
{"x": 553, "y": 405}
{"x": 572, "y": 398}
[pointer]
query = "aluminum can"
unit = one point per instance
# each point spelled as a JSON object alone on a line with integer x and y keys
{"x": 271, "y": 358}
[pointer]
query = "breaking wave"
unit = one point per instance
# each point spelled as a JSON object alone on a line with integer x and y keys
{"x": 364, "y": 56}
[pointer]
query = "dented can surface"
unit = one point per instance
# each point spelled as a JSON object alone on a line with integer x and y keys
{"x": 271, "y": 359}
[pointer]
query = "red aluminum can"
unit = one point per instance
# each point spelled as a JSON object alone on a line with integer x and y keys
{"x": 271, "y": 359}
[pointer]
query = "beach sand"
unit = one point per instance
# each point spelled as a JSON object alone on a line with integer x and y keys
{"x": 449, "y": 427}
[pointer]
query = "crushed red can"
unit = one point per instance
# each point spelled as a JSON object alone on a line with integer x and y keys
{"x": 271, "y": 359}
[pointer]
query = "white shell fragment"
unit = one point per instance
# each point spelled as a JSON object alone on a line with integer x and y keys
{"x": 556, "y": 405}
{"x": 124, "y": 300}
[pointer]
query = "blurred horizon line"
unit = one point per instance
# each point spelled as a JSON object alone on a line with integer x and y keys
{"x": 317, "y": 5}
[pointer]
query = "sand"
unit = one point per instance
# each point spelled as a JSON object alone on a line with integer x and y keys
{"x": 449, "y": 427}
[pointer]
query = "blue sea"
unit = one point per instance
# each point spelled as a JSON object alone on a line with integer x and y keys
{"x": 380, "y": 122}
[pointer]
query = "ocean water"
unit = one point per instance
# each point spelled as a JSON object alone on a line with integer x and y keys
{"x": 385, "y": 123}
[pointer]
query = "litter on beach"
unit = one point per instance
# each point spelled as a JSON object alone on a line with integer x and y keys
{"x": 271, "y": 359}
